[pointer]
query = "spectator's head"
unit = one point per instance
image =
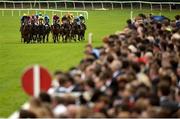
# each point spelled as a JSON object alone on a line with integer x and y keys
{"x": 163, "y": 88}
{"x": 44, "y": 97}
{"x": 26, "y": 114}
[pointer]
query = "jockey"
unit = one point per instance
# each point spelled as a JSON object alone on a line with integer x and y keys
{"x": 46, "y": 19}
{"x": 36, "y": 19}
{"x": 64, "y": 19}
{"x": 70, "y": 17}
{"x": 55, "y": 19}
{"x": 41, "y": 19}
{"x": 77, "y": 20}
{"x": 82, "y": 19}
{"x": 33, "y": 18}
{"x": 177, "y": 17}
{"x": 40, "y": 14}
{"x": 23, "y": 19}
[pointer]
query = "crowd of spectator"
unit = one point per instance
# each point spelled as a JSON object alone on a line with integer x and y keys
{"x": 135, "y": 73}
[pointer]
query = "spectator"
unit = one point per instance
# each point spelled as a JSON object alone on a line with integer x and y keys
{"x": 136, "y": 73}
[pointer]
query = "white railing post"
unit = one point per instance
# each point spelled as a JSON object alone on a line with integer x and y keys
{"x": 102, "y": 5}
{"x": 39, "y": 5}
{"x": 2, "y": 12}
{"x": 140, "y": 6}
{"x": 151, "y": 7}
{"x": 61, "y": 14}
{"x": 131, "y": 6}
{"x": 34, "y": 4}
{"x": 84, "y": 7}
{"x": 170, "y": 8}
{"x": 112, "y": 5}
{"x": 22, "y": 5}
{"x": 19, "y": 12}
{"x": 5, "y": 5}
{"x": 131, "y": 16}
{"x": 47, "y": 4}
{"x": 52, "y": 13}
{"x": 65, "y": 5}
{"x": 74, "y": 5}
{"x": 14, "y": 5}
{"x": 92, "y": 5}
{"x": 31, "y": 5}
{"x": 160, "y": 7}
{"x": 55, "y": 5}
{"x": 12, "y": 12}
{"x": 121, "y": 6}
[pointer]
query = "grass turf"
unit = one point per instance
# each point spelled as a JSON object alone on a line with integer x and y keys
{"x": 15, "y": 56}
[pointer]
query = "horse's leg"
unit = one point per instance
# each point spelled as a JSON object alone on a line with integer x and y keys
{"x": 79, "y": 37}
{"x": 24, "y": 39}
{"x": 44, "y": 38}
{"x": 66, "y": 38}
{"x": 21, "y": 37}
{"x": 39, "y": 38}
{"x": 35, "y": 38}
{"x": 59, "y": 37}
{"x": 62, "y": 37}
{"x": 47, "y": 37}
{"x": 74, "y": 37}
{"x": 54, "y": 39}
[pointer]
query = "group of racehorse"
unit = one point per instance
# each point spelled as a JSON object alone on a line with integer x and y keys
{"x": 67, "y": 31}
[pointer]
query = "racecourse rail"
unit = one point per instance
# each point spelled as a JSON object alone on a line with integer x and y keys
{"x": 85, "y": 4}
{"x": 85, "y": 13}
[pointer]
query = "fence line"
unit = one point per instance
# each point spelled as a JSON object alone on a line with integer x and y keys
{"x": 48, "y": 10}
{"x": 47, "y": 4}
{"x": 91, "y": 2}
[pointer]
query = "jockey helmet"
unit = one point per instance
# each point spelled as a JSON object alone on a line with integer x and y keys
{"x": 40, "y": 18}
{"x": 24, "y": 14}
{"x": 80, "y": 15}
{"x": 40, "y": 14}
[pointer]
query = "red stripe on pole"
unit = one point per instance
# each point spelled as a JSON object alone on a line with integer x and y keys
{"x": 45, "y": 79}
{"x": 27, "y": 81}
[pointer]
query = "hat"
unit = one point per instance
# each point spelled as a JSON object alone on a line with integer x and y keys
{"x": 132, "y": 48}
{"x": 143, "y": 78}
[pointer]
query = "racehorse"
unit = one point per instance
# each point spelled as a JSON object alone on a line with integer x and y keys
{"x": 41, "y": 33}
{"x": 34, "y": 32}
{"x": 55, "y": 29}
{"x": 25, "y": 33}
{"x": 47, "y": 31}
{"x": 78, "y": 31}
{"x": 82, "y": 31}
{"x": 74, "y": 30}
{"x": 66, "y": 29}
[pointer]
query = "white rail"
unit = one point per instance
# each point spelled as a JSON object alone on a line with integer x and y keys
{"x": 83, "y": 4}
{"x": 85, "y": 13}
{"x": 92, "y": 2}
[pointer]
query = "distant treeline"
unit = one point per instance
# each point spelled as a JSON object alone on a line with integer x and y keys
{"x": 101, "y": 0}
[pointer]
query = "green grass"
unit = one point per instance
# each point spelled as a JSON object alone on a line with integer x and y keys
{"x": 15, "y": 56}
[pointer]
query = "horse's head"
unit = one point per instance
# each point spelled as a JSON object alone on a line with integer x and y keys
{"x": 83, "y": 26}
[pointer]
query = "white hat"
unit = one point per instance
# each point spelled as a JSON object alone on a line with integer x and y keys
{"x": 132, "y": 48}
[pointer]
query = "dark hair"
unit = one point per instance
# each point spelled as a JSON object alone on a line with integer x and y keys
{"x": 26, "y": 114}
{"x": 44, "y": 97}
{"x": 164, "y": 88}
